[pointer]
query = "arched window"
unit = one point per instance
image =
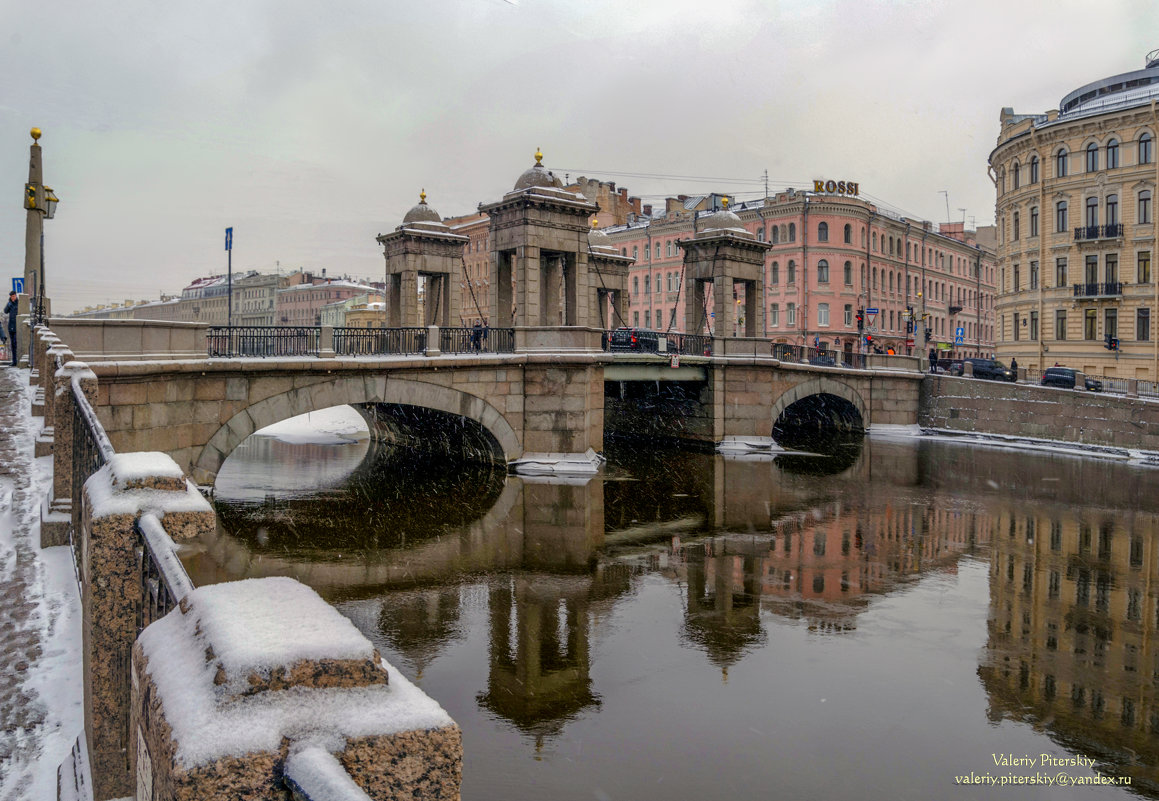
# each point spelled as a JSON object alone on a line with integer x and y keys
{"x": 1092, "y": 157}
{"x": 792, "y": 232}
{"x": 875, "y": 241}
{"x": 1112, "y": 217}
{"x": 1034, "y": 169}
{"x": 848, "y": 273}
{"x": 1014, "y": 227}
{"x": 1092, "y": 211}
{"x": 1060, "y": 221}
{"x": 761, "y": 234}
{"x": 823, "y": 232}
{"x": 668, "y": 248}
{"x": 1016, "y": 174}
{"x": 822, "y": 271}
{"x": 891, "y": 281}
{"x": 1060, "y": 163}
{"x": 875, "y": 278}
{"x": 791, "y": 272}
{"x": 775, "y": 231}
{"x": 1144, "y": 148}
{"x": 1144, "y": 207}
{"x": 848, "y": 234}
{"x": 775, "y": 274}
{"x": 891, "y": 246}
{"x": 1112, "y": 154}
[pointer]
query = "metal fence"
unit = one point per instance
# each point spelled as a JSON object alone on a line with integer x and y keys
{"x": 1148, "y": 389}
{"x": 1116, "y": 385}
{"x": 477, "y": 340}
{"x": 164, "y": 581}
{"x": 263, "y": 340}
{"x": 803, "y": 354}
{"x": 379, "y": 341}
{"x": 690, "y": 344}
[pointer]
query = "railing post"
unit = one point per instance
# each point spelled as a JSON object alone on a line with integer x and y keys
{"x": 1132, "y": 387}
{"x": 326, "y": 342}
{"x": 57, "y": 354}
{"x": 56, "y": 519}
{"x": 1080, "y": 379}
{"x": 114, "y": 497}
{"x": 432, "y": 341}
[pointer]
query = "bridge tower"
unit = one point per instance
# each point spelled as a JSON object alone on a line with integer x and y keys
{"x": 610, "y": 277}
{"x": 539, "y": 253}
{"x": 726, "y": 256}
{"x": 422, "y": 246}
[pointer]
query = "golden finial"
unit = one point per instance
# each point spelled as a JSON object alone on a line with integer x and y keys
{"x": 35, "y": 134}
{"x": 423, "y": 196}
{"x": 595, "y": 223}
{"x": 724, "y": 202}
{"x": 538, "y": 158}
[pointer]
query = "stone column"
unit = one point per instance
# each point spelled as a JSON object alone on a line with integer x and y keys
{"x": 112, "y": 594}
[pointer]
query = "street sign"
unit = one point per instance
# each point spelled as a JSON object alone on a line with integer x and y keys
{"x": 229, "y": 238}
{"x": 909, "y": 343}
{"x": 957, "y": 340}
{"x": 960, "y": 332}
{"x": 872, "y": 329}
{"x": 18, "y": 286}
{"x": 674, "y": 361}
{"x": 871, "y": 311}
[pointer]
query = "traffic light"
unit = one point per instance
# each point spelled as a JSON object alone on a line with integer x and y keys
{"x": 861, "y": 319}
{"x": 30, "y": 196}
{"x": 869, "y": 340}
{"x": 909, "y": 326}
{"x": 1112, "y": 343}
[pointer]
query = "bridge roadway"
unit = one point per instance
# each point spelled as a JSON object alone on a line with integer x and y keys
{"x": 541, "y": 408}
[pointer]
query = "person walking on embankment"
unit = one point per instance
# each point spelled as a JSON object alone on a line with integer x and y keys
{"x": 11, "y": 310}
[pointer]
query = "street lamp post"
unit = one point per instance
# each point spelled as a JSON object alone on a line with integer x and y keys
{"x": 40, "y": 203}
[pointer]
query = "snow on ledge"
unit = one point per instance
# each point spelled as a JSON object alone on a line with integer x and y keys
{"x": 268, "y": 621}
{"x": 318, "y": 774}
{"x": 587, "y": 463}
{"x": 130, "y": 469}
{"x": 107, "y": 498}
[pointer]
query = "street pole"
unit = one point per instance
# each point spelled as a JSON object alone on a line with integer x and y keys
{"x": 229, "y": 277}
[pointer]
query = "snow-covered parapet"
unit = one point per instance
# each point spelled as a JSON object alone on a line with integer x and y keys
{"x": 245, "y": 674}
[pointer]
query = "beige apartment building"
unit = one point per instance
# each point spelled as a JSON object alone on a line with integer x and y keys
{"x": 1077, "y": 229}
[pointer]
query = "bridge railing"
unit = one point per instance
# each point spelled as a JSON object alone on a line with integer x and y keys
{"x": 91, "y": 450}
{"x": 1148, "y": 389}
{"x": 263, "y": 340}
{"x": 690, "y": 344}
{"x": 379, "y": 341}
{"x": 164, "y": 581}
{"x": 477, "y": 340}
{"x": 803, "y": 354}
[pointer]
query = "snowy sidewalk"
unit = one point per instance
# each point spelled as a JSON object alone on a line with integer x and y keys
{"x": 40, "y": 638}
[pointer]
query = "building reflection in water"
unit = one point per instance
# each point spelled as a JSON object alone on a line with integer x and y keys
{"x": 1073, "y": 611}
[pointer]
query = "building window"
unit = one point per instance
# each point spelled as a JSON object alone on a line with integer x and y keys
{"x": 1017, "y": 333}
{"x": 1111, "y": 322}
{"x": 848, "y": 234}
{"x": 1034, "y": 326}
{"x": 823, "y": 314}
{"x": 848, "y": 315}
{"x": 1060, "y": 223}
{"x": 1034, "y": 221}
{"x": 1060, "y": 163}
{"x": 1112, "y": 154}
{"x": 636, "y": 319}
{"x": 1092, "y": 211}
{"x": 1060, "y": 324}
{"x": 1092, "y": 157}
{"x": 668, "y": 247}
{"x": 1014, "y": 227}
{"x": 790, "y": 314}
{"x": 775, "y": 274}
{"x": 1143, "y": 273}
{"x": 775, "y": 233}
{"x": 1111, "y": 268}
{"x": 636, "y": 285}
{"x": 875, "y": 241}
{"x": 1017, "y": 282}
{"x": 1112, "y": 209}
{"x": 823, "y": 232}
{"x": 1090, "y": 324}
{"x": 1016, "y": 173}
{"x": 1144, "y": 207}
{"x": 1145, "y": 148}
{"x": 1034, "y": 169}
{"x": 1060, "y": 272}
{"x": 774, "y": 315}
{"x": 848, "y": 273}
{"x": 792, "y": 232}
{"x": 1143, "y": 325}
{"x": 1034, "y": 275}
{"x": 1092, "y": 269}
{"x": 647, "y": 284}
{"x": 647, "y": 319}
{"x": 791, "y": 277}
{"x": 822, "y": 272}
{"x": 761, "y": 234}
{"x": 635, "y": 252}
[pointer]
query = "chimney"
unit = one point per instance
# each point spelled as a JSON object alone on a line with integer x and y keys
{"x": 648, "y": 210}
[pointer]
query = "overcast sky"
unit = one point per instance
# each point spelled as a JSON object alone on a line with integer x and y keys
{"x": 311, "y": 127}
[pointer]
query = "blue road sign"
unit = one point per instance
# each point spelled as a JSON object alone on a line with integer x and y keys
{"x": 957, "y": 340}
{"x": 960, "y": 332}
{"x": 18, "y": 286}
{"x": 229, "y": 238}
{"x": 871, "y": 311}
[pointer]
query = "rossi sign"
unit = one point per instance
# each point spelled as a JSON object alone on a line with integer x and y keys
{"x": 836, "y": 187}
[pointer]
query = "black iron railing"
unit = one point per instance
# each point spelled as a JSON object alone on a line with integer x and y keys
{"x": 263, "y": 340}
{"x": 164, "y": 581}
{"x": 802, "y": 354}
{"x": 91, "y": 450}
{"x": 1109, "y": 231}
{"x": 477, "y": 340}
{"x": 690, "y": 344}
{"x": 1099, "y": 290}
{"x": 379, "y": 341}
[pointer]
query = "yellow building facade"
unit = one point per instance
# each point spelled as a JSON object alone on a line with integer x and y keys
{"x": 1077, "y": 229}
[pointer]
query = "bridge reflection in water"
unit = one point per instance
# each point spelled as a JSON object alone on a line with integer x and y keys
{"x": 587, "y": 619}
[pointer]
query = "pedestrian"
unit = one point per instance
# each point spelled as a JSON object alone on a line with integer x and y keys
{"x": 933, "y": 359}
{"x": 477, "y": 336}
{"x": 1014, "y": 366}
{"x": 11, "y": 309}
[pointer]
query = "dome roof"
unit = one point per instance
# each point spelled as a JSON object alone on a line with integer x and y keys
{"x": 722, "y": 218}
{"x": 597, "y": 238}
{"x": 538, "y": 175}
{"x": 422, "y": 212}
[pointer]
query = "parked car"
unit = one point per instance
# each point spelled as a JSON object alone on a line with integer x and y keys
{"x": 639, "y": 340}
{"x": 1065, "y": 377}
{"x": 950, "y": 366}
{"x": 823, "y": 360}
{"x": 991, "y": 369}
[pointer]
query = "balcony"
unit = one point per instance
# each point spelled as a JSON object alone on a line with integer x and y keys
{"x": 1109, "y": 289}
{"x": 1089, "y": 232}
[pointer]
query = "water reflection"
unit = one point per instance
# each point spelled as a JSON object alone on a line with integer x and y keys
{"x": 521, "y": 605}
{"x": 1073, "y": 610}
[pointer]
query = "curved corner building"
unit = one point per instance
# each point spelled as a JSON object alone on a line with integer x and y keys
{"x": 1077, "y": 229}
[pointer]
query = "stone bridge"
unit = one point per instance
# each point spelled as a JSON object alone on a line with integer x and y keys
{"x": 541, "y": 408}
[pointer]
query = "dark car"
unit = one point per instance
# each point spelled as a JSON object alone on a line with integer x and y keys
{"x": 823, "y": 360}
{"x": 991, "y": 369}
{"x": 639, "y": 340}
{"x": 950, "y": 366}
{"x": 1065, "y": 377}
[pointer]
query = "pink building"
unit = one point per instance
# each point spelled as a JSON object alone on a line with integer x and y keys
{"x": 302, "y": 304}
{"x": 832, "y": 255}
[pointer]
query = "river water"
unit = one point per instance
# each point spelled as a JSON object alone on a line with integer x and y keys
{"x": 890, "y": 622}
